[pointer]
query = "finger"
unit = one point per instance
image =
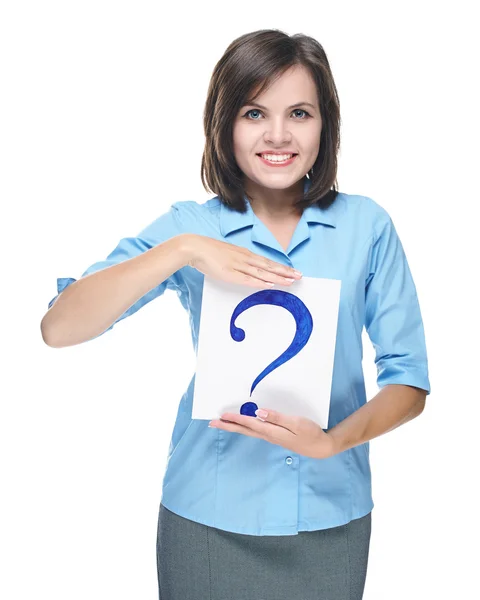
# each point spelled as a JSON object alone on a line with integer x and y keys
{"x": 233, "y": 275}
{"x": 265, "y": 275}
{"x": 236, "y": 428}
{"x": 257, "y": 260}
{"x": 282, "y": 426}
{"x": 289, "y": 422}
{"x": 274, "y": 267}
{"x": 255, "y": 273}
{"x": 263, "y": 428}
{"x": 244, "y": 279}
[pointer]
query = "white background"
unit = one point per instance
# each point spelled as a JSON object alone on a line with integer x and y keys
{"x": 101, "y": 131}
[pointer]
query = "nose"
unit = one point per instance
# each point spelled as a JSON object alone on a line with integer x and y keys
{"x": 277, "y": 131}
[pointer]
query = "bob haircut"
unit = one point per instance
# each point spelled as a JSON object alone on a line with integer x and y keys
{"x": 258, "y": 59}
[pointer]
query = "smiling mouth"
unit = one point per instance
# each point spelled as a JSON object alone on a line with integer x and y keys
{"x": 292, "y": 154}
{"x": 276, "y": 162}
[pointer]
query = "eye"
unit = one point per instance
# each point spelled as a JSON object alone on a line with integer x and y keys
{"x": 252, "y": 110}
{"x": 303, "y": 111}
{"x": 255, "y": 110}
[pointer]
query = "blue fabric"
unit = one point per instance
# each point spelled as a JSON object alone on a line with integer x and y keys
{"x": 247, "y": 485}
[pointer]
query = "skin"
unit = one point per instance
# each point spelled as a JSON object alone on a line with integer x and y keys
{"x": 394, "y": 405}
{"x": 276, "y": 128}
{"x": 273, "y": 191}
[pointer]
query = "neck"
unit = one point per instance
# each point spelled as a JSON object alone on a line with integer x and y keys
{"x": 272, "y": 204}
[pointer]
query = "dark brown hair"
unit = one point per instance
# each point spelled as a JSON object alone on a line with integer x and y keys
{"x": 258, "y": 59}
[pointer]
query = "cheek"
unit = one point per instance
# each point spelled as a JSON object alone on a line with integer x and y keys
{"x": 237, "y": 136}
{"x": 310, "y": 136}
{"x": 244, "y": 138}
{"x": 244, "y": 150}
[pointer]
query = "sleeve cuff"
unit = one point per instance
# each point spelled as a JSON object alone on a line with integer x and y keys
{"x": 418, "y": 380}
{"x": 62, "y": 283}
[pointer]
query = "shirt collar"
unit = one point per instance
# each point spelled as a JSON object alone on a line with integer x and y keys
{"x": 232, "y": 220}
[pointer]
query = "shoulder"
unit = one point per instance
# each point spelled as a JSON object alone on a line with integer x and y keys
{"x": 359, "y": 204}
{"x": 191, "y": 216}
{"x": 185, "y": 216}
{"x": 188, "y": 209}
{"x": 362, "y": 212}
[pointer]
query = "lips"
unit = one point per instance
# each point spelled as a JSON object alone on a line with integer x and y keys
{"x": 277, "y": 153}
{"x": 278, "y": 164}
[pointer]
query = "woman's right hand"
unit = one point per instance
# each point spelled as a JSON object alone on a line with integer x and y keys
{"x": 235, "y": 264}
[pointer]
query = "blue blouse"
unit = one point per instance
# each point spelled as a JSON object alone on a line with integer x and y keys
{"x": 247, "y": 485}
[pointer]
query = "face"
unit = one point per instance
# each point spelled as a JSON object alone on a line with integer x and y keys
{"x": 278, "y": 128}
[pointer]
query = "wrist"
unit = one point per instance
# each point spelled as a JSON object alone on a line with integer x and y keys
{"x": 336, "y": 443}
{"x": 186, "y": 247}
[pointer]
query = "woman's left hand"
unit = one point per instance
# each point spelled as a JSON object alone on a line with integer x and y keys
{"x": 298, "y": 434}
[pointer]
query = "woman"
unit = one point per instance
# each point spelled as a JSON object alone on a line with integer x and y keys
{"x": 272, "y": 507}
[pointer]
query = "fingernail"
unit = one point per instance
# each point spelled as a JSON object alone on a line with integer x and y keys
{"x": 261, "y": 414}
{"x": 297, "y": 272}
{"x": 289, "y": 279}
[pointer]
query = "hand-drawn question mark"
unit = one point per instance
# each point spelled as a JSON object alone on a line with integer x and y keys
{"x": 303, "y": 320}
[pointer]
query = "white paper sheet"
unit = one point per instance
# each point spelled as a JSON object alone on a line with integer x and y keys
{"x": 227, "y": 369}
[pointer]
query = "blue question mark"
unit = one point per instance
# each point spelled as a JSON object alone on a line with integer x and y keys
{"x": 303, "y": 320}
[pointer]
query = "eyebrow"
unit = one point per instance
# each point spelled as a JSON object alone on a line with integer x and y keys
{"x": 291, "y": 106}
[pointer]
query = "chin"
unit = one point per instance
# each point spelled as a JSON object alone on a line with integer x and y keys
{"x": 279, "y": 181}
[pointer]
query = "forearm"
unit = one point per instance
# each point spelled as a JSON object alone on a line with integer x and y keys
{"x": 90, "y": 305}
{"x": 393, "y": 406}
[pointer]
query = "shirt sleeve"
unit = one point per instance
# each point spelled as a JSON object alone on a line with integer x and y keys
{"x": 163, "y": 228}
{"x": 392, "y": 313}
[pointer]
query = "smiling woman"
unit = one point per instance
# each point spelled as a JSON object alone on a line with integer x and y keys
{"x": 271, "y": 117}
{"x": 268, "y": 506}
{"x": 272, "y": 94}
{"x": 281, "y": 143}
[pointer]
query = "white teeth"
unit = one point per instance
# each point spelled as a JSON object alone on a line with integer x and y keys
{"x": 276, "y": 157}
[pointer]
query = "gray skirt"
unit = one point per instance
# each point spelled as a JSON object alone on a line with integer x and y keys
{"x": 198, "y": 562}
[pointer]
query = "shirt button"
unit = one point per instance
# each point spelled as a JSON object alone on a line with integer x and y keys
{"x": 289, "y": 460}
